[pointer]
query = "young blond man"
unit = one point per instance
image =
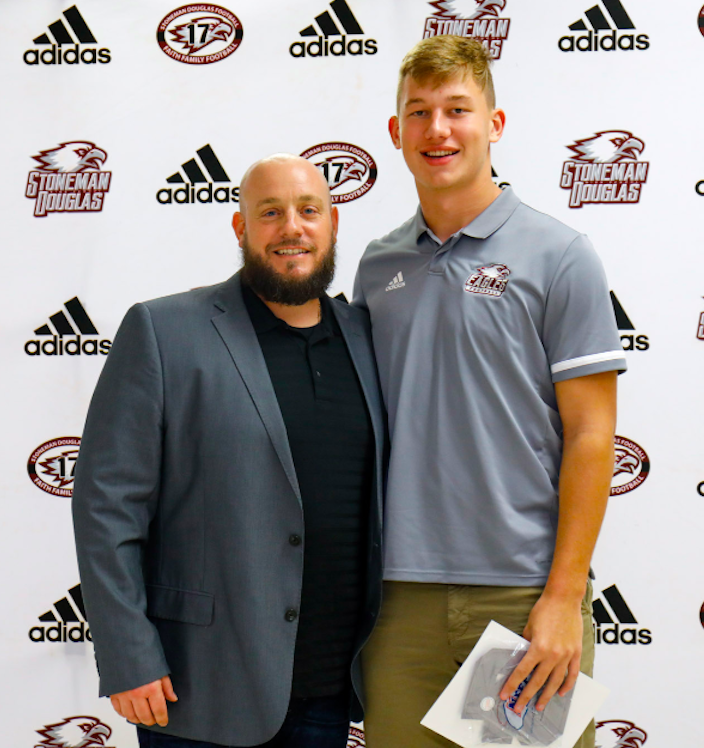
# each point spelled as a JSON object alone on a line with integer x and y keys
{"x": 498, "y": 352}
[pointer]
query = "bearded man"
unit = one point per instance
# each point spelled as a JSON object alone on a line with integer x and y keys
{"x": 227, "y": 501}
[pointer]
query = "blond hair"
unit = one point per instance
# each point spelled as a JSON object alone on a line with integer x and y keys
{"x": 438, "y": 59}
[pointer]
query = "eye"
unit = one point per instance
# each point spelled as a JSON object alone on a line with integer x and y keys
{"x": 81, "y": 151}
{"x": 417, "y": 113}
{"x": 310, "y": 211}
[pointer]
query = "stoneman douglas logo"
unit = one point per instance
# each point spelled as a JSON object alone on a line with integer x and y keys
{"x": 631, "y": 466}
{"x": 490, "y": 280}
{"x": 477, "y": 19}
{"x": 51, "y": 466}
{"x": 69, "y": 179}
{"x": 604, "y": 168}
{"x": 619, "y": 733}
{"x": 199, "y": 34}
{"x": 349, "y": 170}
{"x": 355, "y": 739}
{"x": 75, "y": 732}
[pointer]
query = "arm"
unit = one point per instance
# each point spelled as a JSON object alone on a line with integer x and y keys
{"x": 587, "y": 408}
{"x": 115, "y": 498}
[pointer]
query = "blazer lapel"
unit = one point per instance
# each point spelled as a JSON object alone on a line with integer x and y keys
{"x": 235, "y": 329}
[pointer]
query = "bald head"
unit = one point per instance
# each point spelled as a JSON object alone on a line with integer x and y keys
{"x": 282, "y": 168}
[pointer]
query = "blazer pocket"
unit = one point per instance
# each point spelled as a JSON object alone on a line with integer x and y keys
{"x": 180, "y": 605}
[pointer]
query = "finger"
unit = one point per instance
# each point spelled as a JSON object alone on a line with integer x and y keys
{"x": 157, "y": 705}
{"x": 116, "y": 705}
{"x": 519, "y": 674}
{"x": 143, "y": 711}
{"x": 572, "y": 675}
{"x": 556, "y": 679}
{"x": 536, "y": 682}
{"x": 168, "y": 689}
{"x": 127, "y": 711}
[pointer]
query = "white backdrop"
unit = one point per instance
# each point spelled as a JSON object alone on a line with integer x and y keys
{"x": 129, "y": 107}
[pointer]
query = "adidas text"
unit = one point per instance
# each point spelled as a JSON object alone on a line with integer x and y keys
{"x": 189, "y": 194}
{"x": 57, "y": 346}
{"x": 592, "y": 41}
{"x": 71, "y": 56}
{"x": 61, "y": 633}
{"x": 338, "y": 48}
{"x": 620, "y": 635}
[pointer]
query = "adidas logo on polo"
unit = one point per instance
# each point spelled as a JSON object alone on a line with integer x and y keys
{"x": 195, "y": 175}
{"x": 65, "y": 338}
{"x": 65, "y": 49}
{"x": 603, "y": 35}
{"x": 396, "y": 282}
{"x": 325, "y": 27}
{"x": 619, "y": 631}
{"x": 70, "y": 626}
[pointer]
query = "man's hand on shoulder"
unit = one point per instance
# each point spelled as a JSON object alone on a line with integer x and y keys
{"x": 145, "y": 705}
{"x": 554, "y": 630}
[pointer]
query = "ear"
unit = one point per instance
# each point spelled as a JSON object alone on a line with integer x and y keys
{"x": 238, "y": 224}
{"x": 335, "y": 217}
{"x": 395, "y": 131}
{"x": 498, "y": 122}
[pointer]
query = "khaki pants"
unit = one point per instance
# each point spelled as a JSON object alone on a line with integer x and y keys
{"x": 424, "y": 633}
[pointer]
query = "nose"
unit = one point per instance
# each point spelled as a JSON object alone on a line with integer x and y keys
{"x": 292, "y": 224}
{"x": 438, "y": 126}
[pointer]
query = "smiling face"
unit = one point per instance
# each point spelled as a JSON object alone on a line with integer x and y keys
{"x": 444, "y": 130}
{"x": 286, "y": 229}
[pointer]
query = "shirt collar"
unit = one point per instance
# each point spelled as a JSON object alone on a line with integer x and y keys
{"x": 491, "y": 219}
{"x": 264, "y": 320}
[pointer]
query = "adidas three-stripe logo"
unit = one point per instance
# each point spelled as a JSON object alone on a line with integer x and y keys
{"x": 195, "y": 174}
{"x": 65, "y": 623}
{"x": 327, "y": 25}
{"x": 60, "y": 33}
{"x": 616, "y": 623}
{"x": 329, "y": 35}
{"x": 598, "y": 20}
{"x": 606, "y": 29}
{"x": 62, "y": 45}
{"x": 396, "y": 282}
{"x": 61, "y": 324}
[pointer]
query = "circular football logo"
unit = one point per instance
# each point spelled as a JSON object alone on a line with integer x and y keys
{"x": 51, "y": 466}
{"x": 701, "y": 614}
{"x": 199, "y": 34}
{"x": 700, "y": 21}
{"x": 631, "y": 467}
{"x": 350, "y": 170}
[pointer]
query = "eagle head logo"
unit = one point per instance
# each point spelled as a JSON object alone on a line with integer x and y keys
{"x": 198, "y": 33}
{"x": 75, "y": 732}
{"x": 616, "y": 733}
{"x": 73, "y": 156}
{"x": 469, "y": 9}
{"x": 625, "y": 462}
{"x": 495, "y": 270}
{"x": 340, "y": 169}
{"x": 608, "y": 147}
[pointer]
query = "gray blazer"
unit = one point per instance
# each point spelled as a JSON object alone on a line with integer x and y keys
{"x": 185, "y": 498}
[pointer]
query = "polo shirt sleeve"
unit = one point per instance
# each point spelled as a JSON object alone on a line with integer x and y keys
{"x": 580, "y": 334}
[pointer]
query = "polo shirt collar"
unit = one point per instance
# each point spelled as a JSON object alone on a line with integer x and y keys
{"x": 264, "y": 320}
{"x": 491, "y": 219}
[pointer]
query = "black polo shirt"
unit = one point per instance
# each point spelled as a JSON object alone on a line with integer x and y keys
{"x": 332, "y": 444}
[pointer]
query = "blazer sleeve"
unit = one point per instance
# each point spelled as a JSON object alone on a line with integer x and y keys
{"x": 115, "y": 498}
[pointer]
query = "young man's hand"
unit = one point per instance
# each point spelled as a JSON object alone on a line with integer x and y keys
{"x": 145, "y": 705}
{"x": 554, "y": 630}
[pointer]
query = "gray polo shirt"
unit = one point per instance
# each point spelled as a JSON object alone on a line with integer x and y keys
{"x": 470, "y": 336}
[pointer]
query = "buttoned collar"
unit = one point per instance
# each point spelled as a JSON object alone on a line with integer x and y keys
{"x": 490, "y": 220}
{"x": 264, "y": 320}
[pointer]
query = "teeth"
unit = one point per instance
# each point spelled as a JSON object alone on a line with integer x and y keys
{"x": 289, "y": 251}
{"x": 439, "y": 153}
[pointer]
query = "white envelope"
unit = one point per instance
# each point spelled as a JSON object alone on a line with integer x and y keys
{"x": 445, "y": 716}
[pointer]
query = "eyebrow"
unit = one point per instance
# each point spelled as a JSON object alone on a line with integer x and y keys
{"x": 301, "y": 199}
{"x": 456, "y": 97}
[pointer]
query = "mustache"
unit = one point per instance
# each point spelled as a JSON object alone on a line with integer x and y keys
{"x": 290, "y": 243}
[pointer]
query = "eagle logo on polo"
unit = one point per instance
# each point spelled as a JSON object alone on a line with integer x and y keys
{"x": 489, "y": 280}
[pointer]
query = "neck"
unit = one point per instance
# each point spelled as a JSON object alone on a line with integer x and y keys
{"x": 303, "y": 315}
{"x": 447, "y": 211}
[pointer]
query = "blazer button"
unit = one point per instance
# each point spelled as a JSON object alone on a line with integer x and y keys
{"x": 294, "y": 539}
{"x": 291, "y": 615}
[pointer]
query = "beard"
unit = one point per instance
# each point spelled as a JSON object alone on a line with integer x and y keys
{"x": 273, "y": 286}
